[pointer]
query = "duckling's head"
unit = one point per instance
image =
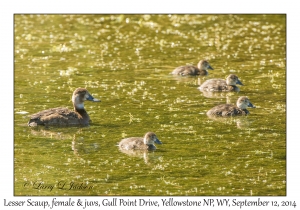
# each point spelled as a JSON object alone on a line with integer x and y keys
{"x": 204, "y": 65}
{"x": 150, "y": 138}
{"x": 80, "y": 95}
{"x": 243, "y": 102}
{"x": 232, "y": 79}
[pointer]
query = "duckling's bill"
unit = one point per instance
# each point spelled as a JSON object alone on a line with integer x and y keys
{"x": 157, "y": 141}
{"x": 91, "y": 98}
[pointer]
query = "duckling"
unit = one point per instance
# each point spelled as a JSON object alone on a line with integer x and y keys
{"x": 221, "y": 85}
{"x": 140, "y": 143}
{"x": 64, "y": 117}
{"x": 225, "y": 110}
{"x": 201, "y": 69}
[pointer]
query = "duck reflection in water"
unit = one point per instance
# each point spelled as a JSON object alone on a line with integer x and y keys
{"x": 227, "y": 95}
{"x": 80, "y": 147}
{"x": 147, "y": 155}
{"x": 64, "y": 117}
{"x": 48, "y": 133}
{"x": 240, "y": 122}
{"x": 190, "y": 70}
{"x": 78, "y": 144}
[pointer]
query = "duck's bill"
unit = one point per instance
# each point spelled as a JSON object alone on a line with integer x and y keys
{"x": 157, "y": 141}
{"x": 211, "y": 68}
{"x": 239, "y": 82}
{"x": 96, "y": 100}
{"x": 91, "y": 98}
{"x": 251, "y": 105}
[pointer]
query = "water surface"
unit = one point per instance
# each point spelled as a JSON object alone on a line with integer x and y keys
{"x": 125, "y": 61}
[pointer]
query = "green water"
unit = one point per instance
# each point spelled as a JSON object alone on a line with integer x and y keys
{"x": 125, "y": 61}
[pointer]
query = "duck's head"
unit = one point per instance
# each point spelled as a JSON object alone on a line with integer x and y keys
{"x": 80, "y": 95}
{"x": 232, "y": 79}
{"x": 203, "y": 64}
{"x": 243, "y": 102}
{"x": 150, "y": 138}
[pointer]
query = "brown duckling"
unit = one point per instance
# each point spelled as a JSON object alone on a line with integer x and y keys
{"x": 221, "y": 85}
{"x": 226, "y": 110}
{"x": 140, "y": 143}
{"x": 64, "y": 117}
{"x": 200, "y": 69}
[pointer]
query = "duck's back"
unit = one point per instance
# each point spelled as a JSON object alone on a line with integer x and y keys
{"x": 134, "y": 143}
{"x": 188, "y": 70}
{"x": 55, "y": 116}
{"x": 226, "y": 110}
{"x": 217, "y": 85}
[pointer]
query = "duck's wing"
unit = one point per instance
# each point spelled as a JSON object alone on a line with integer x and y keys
{"x": 54, "y": 116}
{"x": 226, "y": 110}
{"x": 132, "y": 143}
{"x": 214, "y": 85}
{"x": 186, "y": 70}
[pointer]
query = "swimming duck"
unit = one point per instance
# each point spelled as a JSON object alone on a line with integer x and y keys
{"x": 201, "y": 69}
{"x": 222, "y": 85}
{"x": 140, "y": 143}
{"x": 63, "y": 116}
{"x": 225, "y": 110}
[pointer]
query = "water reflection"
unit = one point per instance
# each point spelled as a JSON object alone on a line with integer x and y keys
{"x": 227, "y": 95}
{"x": 241, "y": 122}
{"x": 45, "y": 132}
{"x": 148, "y": 156}
{"x": 78, "y": 144}
{"x": 187, "y": 79}
{"x": 80, "y": 147}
